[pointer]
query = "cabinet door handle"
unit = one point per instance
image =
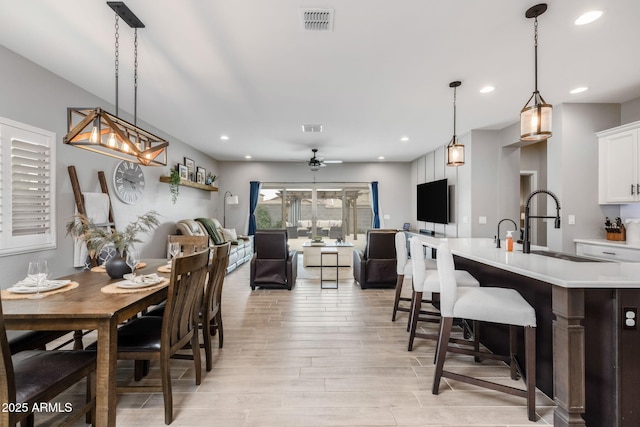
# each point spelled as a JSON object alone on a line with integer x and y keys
{"x": 632, "y": 189}
{"x": 608, "y": 253}
{"x": 637, "y": 188}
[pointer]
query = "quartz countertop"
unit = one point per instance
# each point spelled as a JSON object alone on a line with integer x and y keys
{"x": 611, "y": 243}
{"x": 568, "y": 274}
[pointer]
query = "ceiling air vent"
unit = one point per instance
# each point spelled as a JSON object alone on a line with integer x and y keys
{"x": 311, "y": 128}
{"x": 317, "y": 19}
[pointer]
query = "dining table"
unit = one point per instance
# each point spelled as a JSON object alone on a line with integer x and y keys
{"x": 89, "y": 307}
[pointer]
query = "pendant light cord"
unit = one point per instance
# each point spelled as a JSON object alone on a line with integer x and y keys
{"x": 535, "y": 48}
{"x": 135, "y": 78}
{"x": 454, "y": 113}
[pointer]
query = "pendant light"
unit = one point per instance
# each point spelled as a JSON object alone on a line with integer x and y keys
{"x": 455, "y": 150}
{"x": 535, "y": 117}
{"x": 99, "y": 131}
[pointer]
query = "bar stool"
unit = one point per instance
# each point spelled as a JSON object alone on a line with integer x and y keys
{"x": 404, "y": 269}
{"x": 425, "y": 280}
{"x": 485, "y": 304}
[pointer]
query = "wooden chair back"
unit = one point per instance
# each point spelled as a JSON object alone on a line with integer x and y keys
{"x": 189, "y": 244}
{"x": 217, "y": 271}
{"x": 188, "y": 275}
{"x": 7, "y": 378}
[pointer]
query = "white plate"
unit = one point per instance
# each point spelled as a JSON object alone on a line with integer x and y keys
{"x": 128, "y": 284}
{"x": 49, "y": 285}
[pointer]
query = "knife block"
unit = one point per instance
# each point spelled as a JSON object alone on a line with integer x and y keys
{"x": 619, "y": 234}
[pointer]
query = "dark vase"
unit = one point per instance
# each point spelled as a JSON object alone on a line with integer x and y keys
{"x": 117, "y": 267}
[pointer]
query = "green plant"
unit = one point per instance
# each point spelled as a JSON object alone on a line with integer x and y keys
{"x": 211, "y": 178}
{"x": 174, "y": 185}
{"x": 98, "y": 237}
{"x": 263, "y": 218}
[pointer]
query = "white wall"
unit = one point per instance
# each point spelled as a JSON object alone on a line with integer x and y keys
{"x": 394, "y": 193}
{"x": 630, "y": 111}
{"x": 36, "y": 97}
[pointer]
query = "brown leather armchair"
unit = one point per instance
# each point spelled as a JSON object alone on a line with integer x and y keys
{"x": 376, "y": 266}
{"x": 273, "y": 263}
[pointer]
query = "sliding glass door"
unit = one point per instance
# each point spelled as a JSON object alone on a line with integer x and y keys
{"x": 331, "y": 211}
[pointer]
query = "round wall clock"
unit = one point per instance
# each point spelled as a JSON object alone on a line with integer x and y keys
{"x": 128, "y": 182}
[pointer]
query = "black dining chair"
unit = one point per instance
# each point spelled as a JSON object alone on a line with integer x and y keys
{"x": 158, "y": 338}
{"x": 32, "y": 377}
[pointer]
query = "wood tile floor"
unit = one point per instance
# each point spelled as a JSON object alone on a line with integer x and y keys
{"x": 313, "y": 357}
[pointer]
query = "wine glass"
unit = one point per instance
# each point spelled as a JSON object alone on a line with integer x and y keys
{"x": 174, "y": 250}
{"x": 38, "y": 272}
{"x": 133, "y": 259}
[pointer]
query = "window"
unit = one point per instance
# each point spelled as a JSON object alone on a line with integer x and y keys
{"x": 27, "y": 188}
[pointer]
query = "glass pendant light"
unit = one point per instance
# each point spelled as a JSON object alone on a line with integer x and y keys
{"x": 455, "y": 150}
{"x": 535, "y": 117}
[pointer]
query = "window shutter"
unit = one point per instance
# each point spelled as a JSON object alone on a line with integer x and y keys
{"x": 27, "y": 188}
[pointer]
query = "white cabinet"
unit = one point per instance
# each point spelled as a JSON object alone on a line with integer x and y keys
{"x": 607, "y": 250}
{"x": 619, "y": 164}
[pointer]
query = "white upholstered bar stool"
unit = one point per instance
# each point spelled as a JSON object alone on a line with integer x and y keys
{"x": 427, "y": 280}
{"x": 485, "y": 304}
{"x": 404, "y": 270}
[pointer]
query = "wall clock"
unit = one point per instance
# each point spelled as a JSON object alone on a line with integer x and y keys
{"x": 128, "y": 182}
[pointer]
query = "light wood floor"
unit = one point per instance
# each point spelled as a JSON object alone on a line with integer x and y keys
{"x": 313, "y": 357}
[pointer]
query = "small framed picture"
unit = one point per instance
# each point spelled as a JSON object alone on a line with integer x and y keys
{"x": 191, "y": 168}
{"x": 202, "y": 170}
{"x": 183, "y": 171}
{"x": 200, "y": 177}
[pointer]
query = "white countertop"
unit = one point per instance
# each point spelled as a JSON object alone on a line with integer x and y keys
{"x": 611, "y": 243}
{"x": 568, "y": 274}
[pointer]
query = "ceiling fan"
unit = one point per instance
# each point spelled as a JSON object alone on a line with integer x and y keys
{"x": 315, "y": 163}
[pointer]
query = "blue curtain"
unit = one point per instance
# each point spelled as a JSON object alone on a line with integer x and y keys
{"x": 374, "y": 203}
{"x": 254, "y": 193}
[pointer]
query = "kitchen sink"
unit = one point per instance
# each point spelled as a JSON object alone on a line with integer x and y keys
{"x": 567, "y": 257}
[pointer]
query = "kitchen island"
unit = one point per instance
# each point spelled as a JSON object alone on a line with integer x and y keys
{"x": 586, "y": 354}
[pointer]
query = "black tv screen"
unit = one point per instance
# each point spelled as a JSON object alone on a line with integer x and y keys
{"x": 433, "y": 202}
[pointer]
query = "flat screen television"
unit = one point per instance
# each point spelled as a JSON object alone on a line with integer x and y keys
{"x": 433, "y": 202}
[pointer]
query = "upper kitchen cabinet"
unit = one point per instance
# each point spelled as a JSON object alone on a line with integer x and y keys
{"x": 619, "y": 164}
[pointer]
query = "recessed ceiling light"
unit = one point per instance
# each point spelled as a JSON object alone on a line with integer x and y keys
{"x": 487, "y": 89}
{"x": 404, "y": 139}
{"x": 247, "y": 157}
{"x": 381, "y": 158}
{"x": 224, "y": 137}
{"x": 589, "y": 17}
{"x": 579, "y": 90}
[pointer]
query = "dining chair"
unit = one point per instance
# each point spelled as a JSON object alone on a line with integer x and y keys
{"x": 210, "y": 312}
{"x": 428, "y": 280}
{"x": 189, "y": 244}
{"x": 33, "y": 377}
{"x": 158, "y": 338}
{"x": 485, "y": 304}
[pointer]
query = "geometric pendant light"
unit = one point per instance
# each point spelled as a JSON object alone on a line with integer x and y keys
{"x": 455, "y": 150}
{"x": 535, "y": 117}
{"x": 101, "y": 132}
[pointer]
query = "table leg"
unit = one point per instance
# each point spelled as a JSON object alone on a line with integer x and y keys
{"x": 568, "y": 357}
{"x": 106, "y": 396}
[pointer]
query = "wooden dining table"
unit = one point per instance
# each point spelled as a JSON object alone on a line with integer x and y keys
{"x": 88, "y": 308}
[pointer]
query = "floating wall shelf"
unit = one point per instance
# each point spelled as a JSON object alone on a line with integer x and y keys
{"x": 192, "y": 184}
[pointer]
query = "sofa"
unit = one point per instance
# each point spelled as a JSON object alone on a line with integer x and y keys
{"x": 241, "y": 246}
{"x": 331, "y": 228}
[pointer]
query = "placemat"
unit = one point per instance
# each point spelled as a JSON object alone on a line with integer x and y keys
{"x": 6, "y": 295}
{"x": 114, "y": 289}
{"x": 102, "y": 268}
{"x": 164, "y": 269}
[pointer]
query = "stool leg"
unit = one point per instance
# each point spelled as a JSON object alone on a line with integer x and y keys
{"x": 413, "y": 300}
{"x": 441, "y": 351}
{"x": 530, "y": 350}
{"x": 416, "y": 303}
{"x": 398, "y": 292}
{"x": 476, "y": 340}
{"x": 513, "y": 349}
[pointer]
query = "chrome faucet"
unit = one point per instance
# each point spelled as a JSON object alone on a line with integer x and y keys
{"x": 526, "y": 244}
{"x": 497, "y": 239}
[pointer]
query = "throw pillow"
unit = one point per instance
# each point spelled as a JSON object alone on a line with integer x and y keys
{"x": 229, "y": 234}
{"x": 211, "y": 230}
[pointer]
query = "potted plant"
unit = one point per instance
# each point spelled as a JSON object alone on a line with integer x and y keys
{"x": 98, "y": 238}
{"x": 174, "y": 185}
{"x": 211, "y": 178}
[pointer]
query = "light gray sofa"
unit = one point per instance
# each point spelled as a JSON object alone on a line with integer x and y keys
{"x": 241, "y": 246}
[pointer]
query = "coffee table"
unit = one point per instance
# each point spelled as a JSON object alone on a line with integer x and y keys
{"x": 311, "y": 254}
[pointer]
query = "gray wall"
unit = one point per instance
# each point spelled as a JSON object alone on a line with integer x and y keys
{"x": 36, "y": 97}
{"x": 394, "y": 193}
{"x": 630, "y": 111}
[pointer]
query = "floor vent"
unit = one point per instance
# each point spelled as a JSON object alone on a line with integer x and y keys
{"x": 311, "y": 128}
{"x": 317, "y": 19}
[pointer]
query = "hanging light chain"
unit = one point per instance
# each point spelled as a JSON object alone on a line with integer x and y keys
{"x": 454, "y": 112}
{"x": 535, "y": 47}
{"x": 135, "y": 77}
{"x": 117, "y": 53}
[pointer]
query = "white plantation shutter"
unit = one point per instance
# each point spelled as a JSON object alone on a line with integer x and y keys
{"x": 27, "y": 188}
